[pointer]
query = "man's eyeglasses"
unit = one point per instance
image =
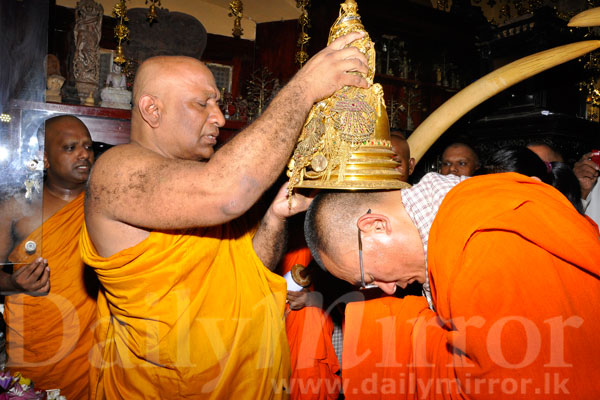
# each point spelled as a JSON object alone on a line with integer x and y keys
{"x": 363, "y": 285}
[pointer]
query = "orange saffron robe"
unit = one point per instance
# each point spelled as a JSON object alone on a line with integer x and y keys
{"x": 313, "y": 359}
{"x": 49, "y": 337}
{"x": 514, "y": 272}
{"x": 189, "y": 314}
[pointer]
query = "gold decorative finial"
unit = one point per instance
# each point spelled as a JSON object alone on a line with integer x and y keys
{"x": 236, "y": 10}
{"x": 303, "y": 21}
{"x": 121, "y": 31}
{"x": 152, "y": 16}
{"x": 345, "y": 142}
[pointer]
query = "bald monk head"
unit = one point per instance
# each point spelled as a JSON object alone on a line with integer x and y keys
{"x": 402, "y": 150}
{"x": 68, "y": 154}
{"x": 178, "y": 115}
{"x": 391, "y": 246}
{"x": 545, "y": 152}
{"x": 459, "y": 159}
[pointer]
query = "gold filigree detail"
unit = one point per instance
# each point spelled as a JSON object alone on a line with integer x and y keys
{"x": 345, "y": 142}
{"x": 303, "y": 38}
{"x": 236, "y": 10}
{"x": 152, "y": 16}
{"x": 354, "y": 119}
{"x": 121, "y": 31}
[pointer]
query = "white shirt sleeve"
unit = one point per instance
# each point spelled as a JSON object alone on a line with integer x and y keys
{"x": 591, "y": 205}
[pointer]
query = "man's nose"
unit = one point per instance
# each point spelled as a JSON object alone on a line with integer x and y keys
{"x": 388, "y": 287}
{"x": 217, "y": 116}
{"x": 83, "y": 153}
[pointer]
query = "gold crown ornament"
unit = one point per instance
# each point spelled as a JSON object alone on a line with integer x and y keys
{"x": 345, "y": 142}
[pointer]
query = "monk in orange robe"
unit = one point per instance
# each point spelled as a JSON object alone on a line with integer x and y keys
{"x": 309, "y": 328}
{"x": 188, "y": 338}
{"x": 514, "y": 275}
{"x": 50, "y": 315}
{"x": 188, "y": 309}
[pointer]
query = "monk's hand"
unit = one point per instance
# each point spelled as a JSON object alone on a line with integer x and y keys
{"x": 332, "y": 68}
{"x": 299, "y": 203}
{"x": 587, "y": 172}
{"x": 32, "y": 279}
{"x": 301, "y": 299}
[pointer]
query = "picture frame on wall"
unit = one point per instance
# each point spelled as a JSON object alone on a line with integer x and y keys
{"x": 223, "y": 75}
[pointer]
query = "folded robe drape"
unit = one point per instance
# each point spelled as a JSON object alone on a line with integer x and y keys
{"x": 49, "y": 337}
{"x": 514, "y": 273}
{"x": 189, "y": 314}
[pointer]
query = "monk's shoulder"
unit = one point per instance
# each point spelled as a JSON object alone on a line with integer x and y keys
{"x": 128, "y": 172}
{"x": 107, "y": 175}
{"x": 117, "y": 156}
{"x": 117, "y": 164}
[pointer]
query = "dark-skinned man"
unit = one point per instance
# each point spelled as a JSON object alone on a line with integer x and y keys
{"x": 51, "y": 301}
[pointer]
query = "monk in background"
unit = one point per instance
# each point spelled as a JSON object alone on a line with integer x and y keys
{"x": 406, "y": 163}
{"x": 50, "y": 316}
{"x": 188, "y": 308}
{"x": 513, "y": 271}
{"x": 459, "y": 159}
{"x": 309, "y": 327}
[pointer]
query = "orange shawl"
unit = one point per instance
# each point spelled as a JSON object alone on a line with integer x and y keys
{"x": 49, "y": 337}
{"x": 189, "y": 314}
{"x": 313, "y": 359}
{"x": 514, "y": 275}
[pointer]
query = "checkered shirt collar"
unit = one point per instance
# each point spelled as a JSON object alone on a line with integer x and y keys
{"x": 422, "y": 202}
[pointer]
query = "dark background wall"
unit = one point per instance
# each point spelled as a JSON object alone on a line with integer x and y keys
{"x": 547, "y": 107}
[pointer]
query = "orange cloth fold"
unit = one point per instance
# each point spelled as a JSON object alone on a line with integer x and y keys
{"x": 313, "y": 359}
{"x": 189, "y": 314}
{"x": 49, "y": 337}
{"x": 514, "y": 272}
{"x": 378, "y": 349}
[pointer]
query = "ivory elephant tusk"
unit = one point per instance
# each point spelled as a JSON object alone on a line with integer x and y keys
{"x": 489, "y": 85}
{"x": 585, "y": 18}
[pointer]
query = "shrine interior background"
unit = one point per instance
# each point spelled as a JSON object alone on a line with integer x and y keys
{"x": 426, "y": 52}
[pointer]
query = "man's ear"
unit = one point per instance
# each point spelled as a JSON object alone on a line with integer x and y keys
{"x": 150, "y": 108}
{"x": 46, "y": 163}
{"x": 411, "y": 166}
{"x": 374, "y": 223}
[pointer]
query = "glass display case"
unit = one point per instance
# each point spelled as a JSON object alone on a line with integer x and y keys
{"x": 22, "y": 76}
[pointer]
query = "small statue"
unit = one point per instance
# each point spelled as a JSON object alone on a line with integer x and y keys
{"x": 52, "y": 65}
{"x": 89, "y": 101}
{"x": 115, "y": 94}
{"x": 54, "y": 84}
{"x": 116, "y": 78}
{"x": 87, "y": 33}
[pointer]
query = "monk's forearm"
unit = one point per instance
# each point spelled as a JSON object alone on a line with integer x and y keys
{"x": 179, "y": 192}
{"x": 270, "y": 240}
{"x": 255, "y": 157}
{"x": 252, "y": 161}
